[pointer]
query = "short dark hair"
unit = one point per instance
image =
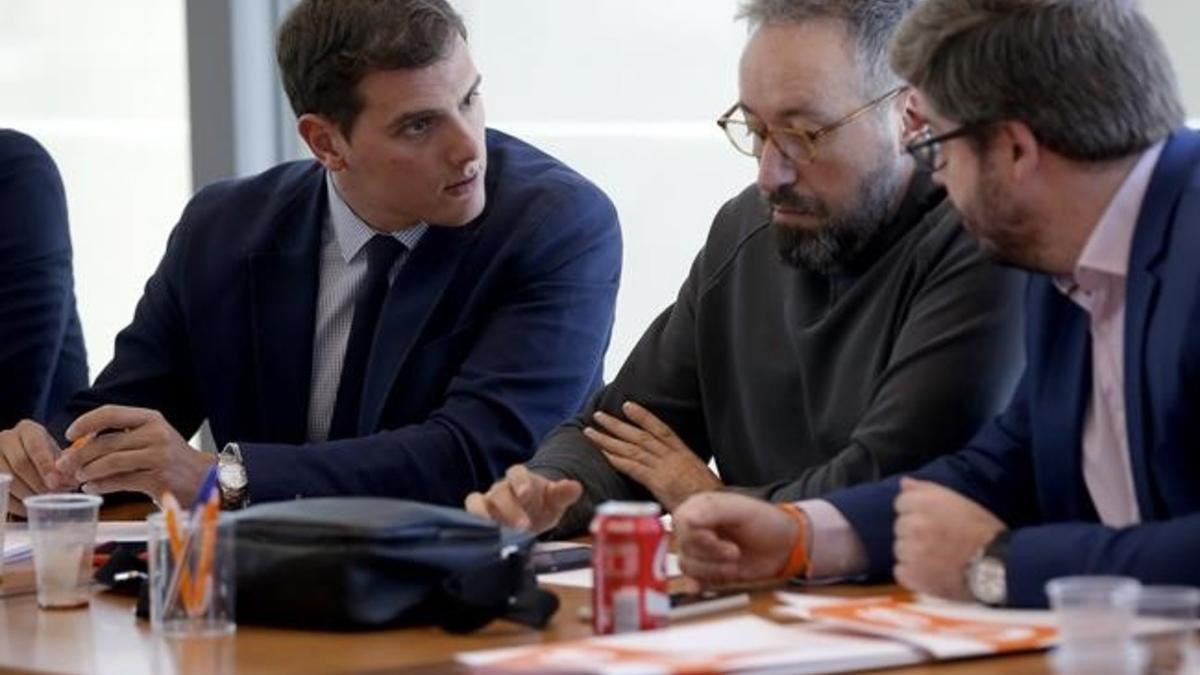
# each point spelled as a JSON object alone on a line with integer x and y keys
{"x": 871, "y": 23}
{"x": 326, "y": 47}
{"x": 1090, "y": 78}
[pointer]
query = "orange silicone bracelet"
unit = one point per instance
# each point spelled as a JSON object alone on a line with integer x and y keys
{"x": 797, "y": 562}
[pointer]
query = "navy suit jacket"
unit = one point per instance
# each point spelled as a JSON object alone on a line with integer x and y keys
{"x": 491, "y": 333}
{"x": 1026, "y": 466}
{"x": 42, "y": 359}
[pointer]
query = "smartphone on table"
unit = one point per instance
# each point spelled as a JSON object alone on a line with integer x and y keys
{"x": 549, "y": 557}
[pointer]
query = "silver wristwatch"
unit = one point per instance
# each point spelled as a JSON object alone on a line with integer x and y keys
{"x": 231, "y": 478}
{"x": 987, "y": 574}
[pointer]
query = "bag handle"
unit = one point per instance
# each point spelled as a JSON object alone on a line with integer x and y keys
{"x": 476, "y": 597}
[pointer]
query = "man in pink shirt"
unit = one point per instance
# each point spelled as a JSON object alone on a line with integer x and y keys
{"x": 1055, "y": 125}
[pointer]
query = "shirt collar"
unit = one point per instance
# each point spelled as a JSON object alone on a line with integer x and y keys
{"x": 352, "y": 232}
{"x": 1107, "y": 249}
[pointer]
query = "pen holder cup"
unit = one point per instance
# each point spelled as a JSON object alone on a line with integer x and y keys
{"x": 192, "y": 579}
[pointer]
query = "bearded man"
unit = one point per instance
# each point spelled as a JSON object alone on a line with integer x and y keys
{"x": 838, "y": 326}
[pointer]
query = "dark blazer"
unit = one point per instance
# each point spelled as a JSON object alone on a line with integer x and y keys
{"x": 1026, "y": 466}
{"x": 42, "y": 359}
{"x": 491, "y": 334}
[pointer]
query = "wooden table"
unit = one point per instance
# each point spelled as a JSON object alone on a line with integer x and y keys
{"x": 107, "y": 638}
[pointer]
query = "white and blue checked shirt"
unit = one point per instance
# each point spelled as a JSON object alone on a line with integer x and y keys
{"x": 343, "y": 266}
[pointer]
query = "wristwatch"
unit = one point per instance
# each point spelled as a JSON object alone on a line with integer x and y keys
{"x": 987, "y": 575}
{"x": 231, "y": 478}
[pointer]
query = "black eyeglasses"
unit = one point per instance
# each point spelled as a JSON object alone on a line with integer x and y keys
{"x": 797, "y": 145}
{"x": 926, "y": 151}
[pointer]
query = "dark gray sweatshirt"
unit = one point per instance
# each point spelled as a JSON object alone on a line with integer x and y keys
{"x": 800, "y": 383}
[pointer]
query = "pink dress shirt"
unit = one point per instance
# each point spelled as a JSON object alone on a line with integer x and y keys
{"x": 1098, "y": 286}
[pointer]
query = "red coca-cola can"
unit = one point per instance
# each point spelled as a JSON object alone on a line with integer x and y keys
{"x": 629, "y": 564}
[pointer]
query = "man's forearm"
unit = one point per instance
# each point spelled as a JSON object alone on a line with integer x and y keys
{"x": 567, "y": 453}
{"x": 424, "y": 463}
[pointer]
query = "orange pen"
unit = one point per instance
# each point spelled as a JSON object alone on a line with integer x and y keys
{"x": 81, "y": 441}
{"x": 172, "y": 514}
{"x": 202, "y": 584}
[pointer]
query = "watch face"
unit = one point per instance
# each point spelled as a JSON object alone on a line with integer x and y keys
{"x": 232, "y": 476}
{"x": 987, "y": 581}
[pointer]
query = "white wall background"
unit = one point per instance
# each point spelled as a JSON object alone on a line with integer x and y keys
{"x": 1177, "y": 22}
{"x": 626, "y": 91}
{"x": 101, "y": 83}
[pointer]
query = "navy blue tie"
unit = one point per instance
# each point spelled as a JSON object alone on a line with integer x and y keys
{"x": 382, "y": 253}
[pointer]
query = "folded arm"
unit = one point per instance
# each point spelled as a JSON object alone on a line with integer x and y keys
{"x": 953, "y": 365}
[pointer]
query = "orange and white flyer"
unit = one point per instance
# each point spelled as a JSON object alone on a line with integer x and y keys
{"x": 746, "y": 644}
{"x": 944, "y": 630}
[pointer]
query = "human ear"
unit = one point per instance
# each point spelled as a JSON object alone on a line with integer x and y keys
{"x": 324, "y": 140}
{"x": 1018, "y": 149}
{"x": 913, "y": 122}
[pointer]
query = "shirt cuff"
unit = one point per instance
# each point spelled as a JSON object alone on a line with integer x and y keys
{"x": 836, "y": 549}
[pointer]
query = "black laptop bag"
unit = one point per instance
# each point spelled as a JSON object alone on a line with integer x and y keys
{"x": 359, "y": 563}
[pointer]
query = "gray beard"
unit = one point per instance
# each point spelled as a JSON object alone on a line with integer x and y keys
{"x": 842, "y": 236}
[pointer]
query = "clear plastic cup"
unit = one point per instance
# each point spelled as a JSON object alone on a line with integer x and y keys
{"x": 1095, "y": 623}
{"x": 1172, "y": 612}
{"x": 63, "y": 530}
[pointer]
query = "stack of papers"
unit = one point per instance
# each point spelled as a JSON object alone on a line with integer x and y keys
{"x": 840, "y": 635}
{"x": 942, "y": 629}
{"x": 18, "y": 547}
{"x": 742, "y": 644}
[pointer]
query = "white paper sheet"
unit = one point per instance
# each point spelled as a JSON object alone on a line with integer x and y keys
{"x": 18, "y": 547}
{"x": 582, "y": 578}
{"x": 742, "y": 644}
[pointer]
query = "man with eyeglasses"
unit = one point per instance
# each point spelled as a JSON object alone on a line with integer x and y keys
{"x": 837, "y": 327}
{"x": 1057, "y": 128}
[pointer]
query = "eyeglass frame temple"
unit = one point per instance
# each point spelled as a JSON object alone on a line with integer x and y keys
{"x": 867, "y": 107}
{"x": 935, "y": 141}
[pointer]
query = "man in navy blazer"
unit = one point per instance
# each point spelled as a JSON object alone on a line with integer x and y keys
{"x": 405, "y": 316}
{"x": 1056, "y": 128}
{"x": 42, "y": 360}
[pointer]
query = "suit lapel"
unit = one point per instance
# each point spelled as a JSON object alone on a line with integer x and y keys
{"x": 284, "y": 280}
{"x": 1141, "y": 291}
{"x": 1170, "y": 176}
{"x": 415, "y": 292}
